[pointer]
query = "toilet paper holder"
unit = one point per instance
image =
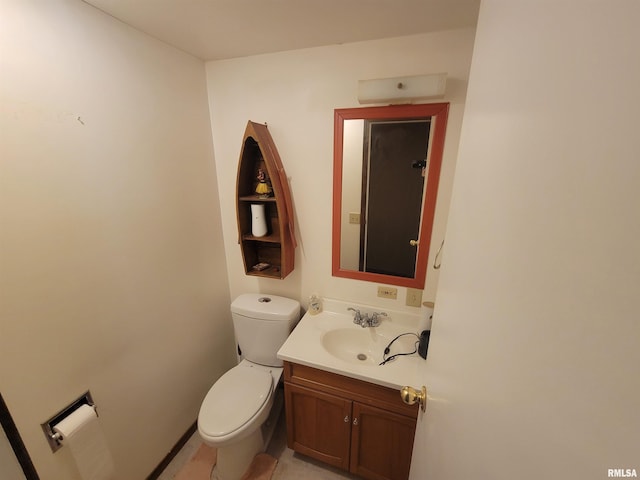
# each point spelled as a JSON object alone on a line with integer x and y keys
{"x": 54, "y": 438}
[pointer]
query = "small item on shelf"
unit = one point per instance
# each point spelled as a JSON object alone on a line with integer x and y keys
{"x": 263, "y": 189}
{"x": 258, "y": 220}
{"x": 258, "y": 267}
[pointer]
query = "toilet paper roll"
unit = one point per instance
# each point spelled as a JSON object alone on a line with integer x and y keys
{"x": 426, "y": 312}
{"x": 81, "y": 432}
{"x": 258, "y": 220}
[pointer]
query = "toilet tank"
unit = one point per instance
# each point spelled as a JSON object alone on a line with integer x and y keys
{"x": 262, "y": 323}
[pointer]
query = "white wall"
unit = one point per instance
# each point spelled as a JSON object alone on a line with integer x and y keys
{"x": 112, "y": 274}
{"x": 534, "y": 352}
{"x": 295, "y": 93}
{"x": 10, "y": 468}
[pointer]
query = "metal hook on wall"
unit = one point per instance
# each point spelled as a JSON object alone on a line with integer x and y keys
{"x": 437, "y": 261}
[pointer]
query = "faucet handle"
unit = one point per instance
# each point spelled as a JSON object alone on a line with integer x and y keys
{"x": 357, "y": 316}
{"x": 375, "y": 320}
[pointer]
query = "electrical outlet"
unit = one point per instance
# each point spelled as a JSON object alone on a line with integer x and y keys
{"x": 388, "y": 292}
{"x": 354, "y": 218}
{"x": 414, "y": 297}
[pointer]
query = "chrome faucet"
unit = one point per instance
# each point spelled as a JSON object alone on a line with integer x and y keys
{"x": 357, "y": 316}
{"x": 364, "y": 320}
{"x": 375, "y": 318}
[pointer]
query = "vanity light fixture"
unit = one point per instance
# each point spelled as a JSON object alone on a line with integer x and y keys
{"x": 402, "y": 89}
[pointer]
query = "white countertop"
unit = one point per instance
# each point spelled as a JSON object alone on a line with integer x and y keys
{"x": 305, "y": 345}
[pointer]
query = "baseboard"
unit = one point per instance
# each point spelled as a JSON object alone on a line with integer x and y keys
{"x": 172, "y": 453}
{"x": 15, "y": 440}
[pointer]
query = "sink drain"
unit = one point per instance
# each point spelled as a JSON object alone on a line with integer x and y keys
{"x": 361, "y": 356}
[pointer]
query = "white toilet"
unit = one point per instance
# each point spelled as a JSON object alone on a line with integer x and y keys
{"x": 240, "y": 411}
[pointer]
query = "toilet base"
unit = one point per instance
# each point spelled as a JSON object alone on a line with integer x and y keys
{"x": 234, "y": 460}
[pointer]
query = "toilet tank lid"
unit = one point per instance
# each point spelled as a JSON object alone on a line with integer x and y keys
{"x": 266, "y": 307}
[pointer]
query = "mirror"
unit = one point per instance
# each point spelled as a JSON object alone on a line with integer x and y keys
{"x": 386, "y": 171}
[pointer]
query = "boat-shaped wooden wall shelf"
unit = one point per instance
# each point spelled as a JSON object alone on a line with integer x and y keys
{"x": 271, "y": 255}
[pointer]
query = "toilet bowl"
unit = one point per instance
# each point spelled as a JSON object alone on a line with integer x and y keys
{"x": 238, "y": 402}
{"x": 233, "y": 415}
{"x": 240, "y": 411}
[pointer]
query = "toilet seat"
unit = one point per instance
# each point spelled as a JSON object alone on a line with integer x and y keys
{"x": 237, "y": 397}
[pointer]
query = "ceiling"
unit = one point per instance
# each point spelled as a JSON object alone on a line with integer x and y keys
{"x": 221, "y": 29}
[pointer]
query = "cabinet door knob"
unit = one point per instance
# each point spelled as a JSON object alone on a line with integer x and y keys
{"x": 414, "y": 243}
{"x": 355, "y": 421}
{"x": 346, "y": 419}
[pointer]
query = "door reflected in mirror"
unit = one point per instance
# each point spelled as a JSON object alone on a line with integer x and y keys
{"x": 387, "y": 164}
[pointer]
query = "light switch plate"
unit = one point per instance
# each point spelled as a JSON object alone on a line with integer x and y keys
{"x": 354, "y": 218}
{"x": 414, "y": 297}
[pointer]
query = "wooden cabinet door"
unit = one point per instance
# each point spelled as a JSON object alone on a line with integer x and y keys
{"x": 381, "y": 443}
{"x": 318, "y": 425}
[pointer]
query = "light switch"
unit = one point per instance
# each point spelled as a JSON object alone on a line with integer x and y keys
{"x": 414, "y": 297}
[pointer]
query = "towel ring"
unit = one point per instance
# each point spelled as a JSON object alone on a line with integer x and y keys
{"x": 437, "y": 261}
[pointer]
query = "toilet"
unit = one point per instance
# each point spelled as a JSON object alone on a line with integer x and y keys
{"x": 239, "y": 413}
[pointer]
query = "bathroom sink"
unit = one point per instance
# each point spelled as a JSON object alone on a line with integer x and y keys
{"x": 329, "y": 340}
{"x": 364, "y": 346}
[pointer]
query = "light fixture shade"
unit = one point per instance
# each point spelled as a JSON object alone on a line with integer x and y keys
{"x": 402, "y": 89}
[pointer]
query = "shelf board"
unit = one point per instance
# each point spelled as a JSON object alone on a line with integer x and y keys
{"x": 256, "y": 198}
{"x": 271, "y": 272}
{"x": 274, "y": 238}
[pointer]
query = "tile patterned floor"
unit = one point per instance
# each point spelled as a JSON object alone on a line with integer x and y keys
{"x": 291, "y": 466}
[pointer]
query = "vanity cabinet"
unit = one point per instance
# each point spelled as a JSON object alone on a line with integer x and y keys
{"x": 262, "y": 182}
{"x": 357, "y": 426}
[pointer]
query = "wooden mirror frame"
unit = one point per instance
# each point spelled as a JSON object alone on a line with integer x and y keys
{"x": 439, "y": 114}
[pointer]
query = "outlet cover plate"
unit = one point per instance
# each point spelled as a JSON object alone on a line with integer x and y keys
{"x": 387, "y": 292}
